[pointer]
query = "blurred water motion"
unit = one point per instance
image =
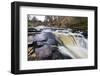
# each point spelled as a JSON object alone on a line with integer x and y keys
{"x": 76, "y": 47}
{"x": 56, "y": 43}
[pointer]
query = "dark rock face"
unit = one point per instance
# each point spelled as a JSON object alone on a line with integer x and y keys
{"x": 43, "y": 52}
{"x": 85, "y": 34}
{"x": 47, "y": 52}
{"x": 52, "y": 42}
{"x": 45, "y": 38}
{"x": 45, "y": 46}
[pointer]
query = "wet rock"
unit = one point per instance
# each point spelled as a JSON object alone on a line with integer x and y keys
{"x": 45, "y": 38}
{"x": 52, "y": 42}
{"x": 40, "y": 37}
{"x": 43, "y": 52}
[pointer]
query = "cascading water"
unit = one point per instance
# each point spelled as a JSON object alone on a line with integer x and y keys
{"x": 74, "y": 45}
{"x": 71, "y": 44}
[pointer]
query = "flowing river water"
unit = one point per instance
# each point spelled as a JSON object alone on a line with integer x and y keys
{"x": 71, "y": 44}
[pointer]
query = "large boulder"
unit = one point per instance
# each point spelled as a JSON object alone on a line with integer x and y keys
{"x": 44, "y": 52}
{"x": 45, "y": 38}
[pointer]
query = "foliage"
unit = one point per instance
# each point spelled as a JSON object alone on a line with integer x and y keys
{"x": 76, "y": 23}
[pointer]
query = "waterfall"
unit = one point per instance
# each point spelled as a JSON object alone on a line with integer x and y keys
{"x": 74, "y": 45}
{"x": 71, "y": 44}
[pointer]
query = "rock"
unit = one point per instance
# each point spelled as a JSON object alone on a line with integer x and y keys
{"x": 43, "y": 52}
